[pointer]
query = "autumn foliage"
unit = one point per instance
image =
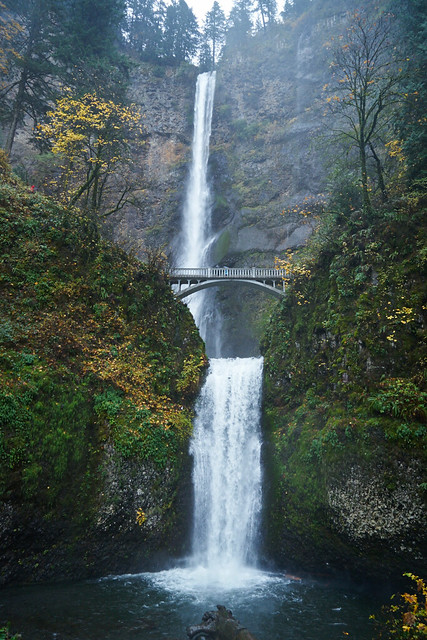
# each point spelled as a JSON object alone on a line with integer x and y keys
{"x": 95, "y": 352}
{"x": 407, "y": 617}
{"x": 93, "y": 138}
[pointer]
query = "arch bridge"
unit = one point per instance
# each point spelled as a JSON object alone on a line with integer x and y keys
{"x": 270, "y": 280}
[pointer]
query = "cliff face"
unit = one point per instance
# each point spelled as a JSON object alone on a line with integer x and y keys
{"x": 166, "y": 98}
{"x": 263, "y": 156}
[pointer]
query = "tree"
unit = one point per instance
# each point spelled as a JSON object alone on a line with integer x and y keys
{"x": 143, "y": 28}
{"x": 411, "y": 126}
{"x": 70, "y": 42}
{"x": 205, "y": 56}
{"x": 181, "y": 32}
{"x": 9, "y": 30}
{"x": 363, "y": 90}
{"x": 239, "y": 24}
{"x": 267, "y": 10}
{"x": 93, "y": 137}
{"x": 214, "y": 30}
{"x": 87, "y": 46}
{"x": 28, "y": 83}
{"x": 90, "y": 28}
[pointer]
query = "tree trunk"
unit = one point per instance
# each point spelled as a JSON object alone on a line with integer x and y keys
{"x": 380, "y": 173}
{"x": 18, "y": 105}
{"x": 366, "y": 201}
{"x": 262, "y": 15}
{"x": 16, "y": 112}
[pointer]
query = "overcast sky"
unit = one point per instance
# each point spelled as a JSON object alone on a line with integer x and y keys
{"x": 201, "y": 7}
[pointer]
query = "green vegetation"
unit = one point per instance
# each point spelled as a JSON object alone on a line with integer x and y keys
{"x": 96, "y": 355}
{"x": 344, "y": 354}
{"x": 5, "y": 634}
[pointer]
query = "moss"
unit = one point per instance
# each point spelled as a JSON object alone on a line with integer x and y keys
{"x": 344, "y": 385}
{"x": 222, "y": 246}
{"x": 95, "y": 353}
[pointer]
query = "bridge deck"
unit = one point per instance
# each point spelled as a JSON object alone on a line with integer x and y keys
{"x": 226, "y": 273}
{"x": 270, "y": 280}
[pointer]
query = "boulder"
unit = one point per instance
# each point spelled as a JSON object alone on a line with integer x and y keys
{"x": 219, "y": 625}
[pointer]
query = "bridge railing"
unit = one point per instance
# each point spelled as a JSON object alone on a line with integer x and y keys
{"x": 246, "y": 273}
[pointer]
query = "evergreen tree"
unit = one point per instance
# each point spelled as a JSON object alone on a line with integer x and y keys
{"x": 411, "y": 124}
{"x": 205, "y": 56}
{"x": 9, "y": 29}
{"x": 181, "y": 34}
{"x": 214, "y": 31}
{"x": 87, "y": 46}
{"x": 239, "y": 24}
{"x": 29, "y": 81}
{"x": 91, "y": 27}
{"x": 143, "y": 28}
{"x": 267, "y": 10}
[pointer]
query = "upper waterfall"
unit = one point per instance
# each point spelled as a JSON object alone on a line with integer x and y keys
{"x": 196, "y": 231}
{"x": 196, "y": 235}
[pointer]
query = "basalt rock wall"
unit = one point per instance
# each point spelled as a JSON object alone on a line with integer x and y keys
{"x": 264, "y": 156}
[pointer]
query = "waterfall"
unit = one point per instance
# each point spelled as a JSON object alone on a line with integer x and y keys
{"x": 196, "y": 227}
{"x": 196, "y": 235}
{"x": 226, "y": 442}
{"x": 227, "y": 474}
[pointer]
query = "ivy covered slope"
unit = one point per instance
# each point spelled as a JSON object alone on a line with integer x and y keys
{"x": 99, "y": 367}
{"x": 346, "y": 405}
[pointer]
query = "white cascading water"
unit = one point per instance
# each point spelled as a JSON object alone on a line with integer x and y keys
{"x": 227, "y": 473}
{"x": 196, "y": 234}
{"x": 226, "y": 442}
{"x": 196, "y": 221}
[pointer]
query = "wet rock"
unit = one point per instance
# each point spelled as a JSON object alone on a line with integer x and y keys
{"x": 219, "y": 625}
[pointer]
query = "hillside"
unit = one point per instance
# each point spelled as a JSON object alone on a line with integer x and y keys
{"x": 99, "y": 367}
{"x": 345, "y": 396}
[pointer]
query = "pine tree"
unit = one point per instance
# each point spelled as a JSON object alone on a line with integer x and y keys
{"x": 411, "y": 125}
{"x": 143, "y": 27}
{"x": 239, "y": 24}
{"x": 267, "y": 10}
{"x": 91, "y": 27}
{"x": 205, "y": 56}
{"x": 29, "y": 81}
{"x": 214, "y": 30}
{"x": 181, "y": 33}
{"x": 88, "y": 46}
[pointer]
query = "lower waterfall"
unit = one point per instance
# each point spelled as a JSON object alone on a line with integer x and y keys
{"x": 226, "y": 449}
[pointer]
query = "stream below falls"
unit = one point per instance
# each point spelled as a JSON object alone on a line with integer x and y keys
{"x": 154, "y": 606}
